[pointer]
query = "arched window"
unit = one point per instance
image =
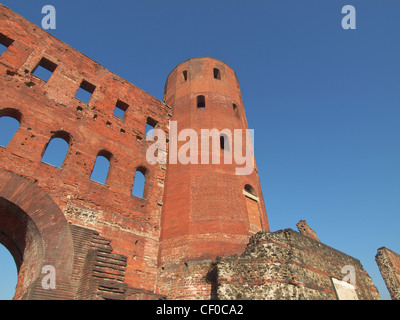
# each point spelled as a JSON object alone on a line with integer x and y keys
{"x": 10, "y": 120}
{"x": 224, "y": 142}
{"x": 217, "y": 74}
{"x": 201, "y": 102}
{"x": 139, "y": 182}
{"x": 57, "y": 149}
{"x": 253, "y": 210}
{"x": 250, "y": 192}
{"x": 184, "y": 75}
{"x": 101, "y": 167}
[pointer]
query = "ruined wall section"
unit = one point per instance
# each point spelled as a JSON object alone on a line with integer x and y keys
{"x": 188, "y": 280}
{"x": 305, "y": 229}
{"x": 389, "y": 265}
{"x": 99, "y": 273}
{"x": 286, "y": 265}
{"x": 46, "y": 108}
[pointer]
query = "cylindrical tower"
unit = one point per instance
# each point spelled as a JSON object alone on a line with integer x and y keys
{"x": 209, "y": 209}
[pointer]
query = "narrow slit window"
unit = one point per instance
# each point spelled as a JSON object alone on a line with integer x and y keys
{"x": 120, "y": 109}
{"x": 201, "y": 102}
{"x": 101, "y": 167}
{"x": 57, "y": 149}
{"x": 44, "y": 69}
{"x": 184, "y": 75}
{"x": 85, "y": 91}
{"x": 5, "y": 42}
{"x": 150, "y": 125}
{"x": 217, "y": 74}
{"x": 139, "y": 182}
{"x": 224, "y": 142}
{"x": 235, "y": 110}
{"x": 253, "y": 210}
{"x": 10, "y": 121}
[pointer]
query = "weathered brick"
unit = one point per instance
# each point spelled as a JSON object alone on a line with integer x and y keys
{"x": 389, "y": 265}
{"x": 199, "y": 232}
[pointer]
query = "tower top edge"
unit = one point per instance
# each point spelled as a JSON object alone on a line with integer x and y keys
{"x": 200, "y": 58}
{"x": 204, "y": 58}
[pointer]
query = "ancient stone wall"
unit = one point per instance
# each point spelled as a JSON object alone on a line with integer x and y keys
{"x": 106, "y": 243}
{"x": 389, "y": 265}
{"x": 286, "y": 265}
{"x": 305, "y": 229}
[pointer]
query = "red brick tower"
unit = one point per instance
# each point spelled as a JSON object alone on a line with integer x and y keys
{"x": 209, "y": 209}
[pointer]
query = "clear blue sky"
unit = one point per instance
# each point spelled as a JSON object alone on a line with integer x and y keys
{"x": 324, "y": 102}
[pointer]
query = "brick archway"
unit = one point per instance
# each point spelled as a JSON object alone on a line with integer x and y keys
{"x": 35, "y": 231}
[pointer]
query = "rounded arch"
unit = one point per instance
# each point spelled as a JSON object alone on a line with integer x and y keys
{"x": 106, "y": 154}
{"x": 250, "y": 190}
{"x": 139, "y": 183}
{"x": 143, "y": 170}
{"x": 253, "y": 209}
{"x": 35, "y": 231}
{"x": 12, "y": 113}
{"x": 201, "y": 101}
{"x": 66, "y": 136}
{"x": 217, "y": 73}
{"x": 225, "y": 142}
{"x": 56, "y": 149}
{"x": 102, "y": 166}
{"x": 20, "y": 235}
{"x": 10, "y": 122}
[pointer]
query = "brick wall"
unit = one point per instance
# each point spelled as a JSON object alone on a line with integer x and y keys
{"x": 205, "y": 212}
{"x": 106, "y": 243}
{"x": 48, "y": 109}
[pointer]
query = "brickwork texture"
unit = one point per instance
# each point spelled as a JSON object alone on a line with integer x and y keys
{"x": 200, "y": 231}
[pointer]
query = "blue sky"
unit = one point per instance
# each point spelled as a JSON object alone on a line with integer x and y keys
{"x": 324, "y": 102}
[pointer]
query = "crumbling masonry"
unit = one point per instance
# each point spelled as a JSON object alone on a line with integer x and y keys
{"x": 198, "y": 232}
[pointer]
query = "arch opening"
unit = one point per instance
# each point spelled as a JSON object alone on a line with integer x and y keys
{"x": 34, "y": 230}
{"x": 253, "y": 210}
{"x": 101, "y": 167}
{"x": 249, "y": 190}
{"x": 139, "y": 182}
{"x": 21, "y": 237}
{"x": 201, "y": 102}
{"x": 184, "y": 75}
{"x": 217, "y": 74}
{"x": 10, "y": 121}
{"x": 224, "y": 142}
{"x": 8, "y": 274}
{"x": 57, "y": 148}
